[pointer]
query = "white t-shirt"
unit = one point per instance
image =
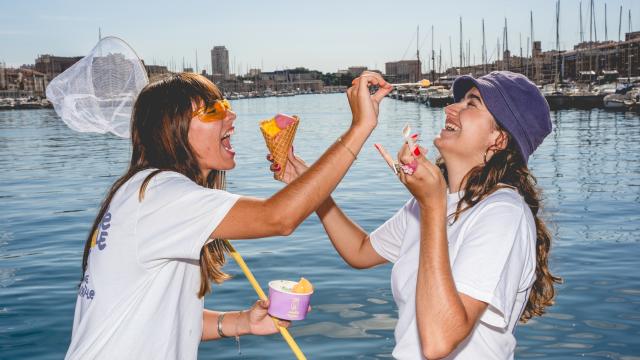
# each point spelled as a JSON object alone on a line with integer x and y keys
{"x": 492, "y": 256}
{"x": 139, "y": 298}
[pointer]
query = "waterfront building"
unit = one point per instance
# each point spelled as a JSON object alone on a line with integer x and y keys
{"x": 355, "y": 71}
{"x": 403, "y": 71}
{"x": 602, "y": 57}
{"x": 287, "y": 80}
{"x": 53, "y": 66}
{"x": 21, "y": 83}
{"x": 220, "y": 62}
{"x": 155, "y": 71}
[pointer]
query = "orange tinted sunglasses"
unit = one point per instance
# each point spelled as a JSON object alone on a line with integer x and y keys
{"x": 215, "y": 112}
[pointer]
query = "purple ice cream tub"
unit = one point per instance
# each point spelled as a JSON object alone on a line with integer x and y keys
{"x": 284, "y": 303}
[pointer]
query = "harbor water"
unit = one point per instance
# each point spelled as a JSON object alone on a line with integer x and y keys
{"x": 53, "y": 179}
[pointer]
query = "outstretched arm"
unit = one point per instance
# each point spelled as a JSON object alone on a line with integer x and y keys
{"x": 284, "y": 211}
{"x": 347, "y": 237}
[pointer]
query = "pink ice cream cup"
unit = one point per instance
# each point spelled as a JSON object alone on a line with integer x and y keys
{"x": 284, "y": 303}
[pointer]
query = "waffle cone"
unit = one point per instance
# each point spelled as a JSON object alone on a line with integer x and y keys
{"x": 280, "y": 144}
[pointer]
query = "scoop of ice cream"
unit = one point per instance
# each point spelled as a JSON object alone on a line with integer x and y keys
{"x": 270, "y": 127}
{"x": 283, "y": 120}
{"x": 303, "y": 286}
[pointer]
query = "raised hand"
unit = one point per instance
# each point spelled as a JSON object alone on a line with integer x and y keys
{"x": 422, "y": 178}
{"x": 364, "y": 106}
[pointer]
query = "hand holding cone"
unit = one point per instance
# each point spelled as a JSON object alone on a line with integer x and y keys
{"x": 278, "y": 133}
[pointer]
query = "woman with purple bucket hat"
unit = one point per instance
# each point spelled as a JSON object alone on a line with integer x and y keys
{"x": 469, "y": 249}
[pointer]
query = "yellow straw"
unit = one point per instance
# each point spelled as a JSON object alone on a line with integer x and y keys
{"x": 283, "y": 331}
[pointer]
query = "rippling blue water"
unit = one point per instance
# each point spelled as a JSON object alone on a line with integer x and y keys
{"x": 52, "y": 180}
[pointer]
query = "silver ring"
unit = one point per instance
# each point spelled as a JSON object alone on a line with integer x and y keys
{"x": 398, "y": 167}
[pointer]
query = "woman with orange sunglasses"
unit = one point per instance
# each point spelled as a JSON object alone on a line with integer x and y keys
{"x": 153, "y": 249}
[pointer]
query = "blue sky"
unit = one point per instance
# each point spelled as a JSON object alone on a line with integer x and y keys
{"x": 325, "y": 35}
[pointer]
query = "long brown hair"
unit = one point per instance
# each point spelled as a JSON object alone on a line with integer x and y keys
{"x": 159, "y": 138}
{"x": 506, "y": 169}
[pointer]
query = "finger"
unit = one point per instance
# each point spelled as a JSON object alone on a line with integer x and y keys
{"x": 381, "y": 93}
{"x": 363, "y": 86}
{"x": 284, "y": 323}
{"x": 263, "y": 303}
{"x": 422, "y": 156}
{"x": 270, "y": 158}
{"x": 351, "y": 93}
{"x": 275, "y": 167}
{"x": 386, "y": 156}
{"x": 380, "y": 81}
{"x": 364, "y": 82}
{"x": 376, "y": 79}
{"x": 421, "y": 153}
{"x": 356, "y": 86}
{"x": 404, "y": 155}
{"x": 403, "y": 177}
{"x": 372, "y": 79}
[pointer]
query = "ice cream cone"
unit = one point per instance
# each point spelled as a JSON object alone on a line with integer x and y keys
{"x": 280, "y": 144}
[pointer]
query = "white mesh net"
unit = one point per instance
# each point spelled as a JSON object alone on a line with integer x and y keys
{"x": 97, "y": 93}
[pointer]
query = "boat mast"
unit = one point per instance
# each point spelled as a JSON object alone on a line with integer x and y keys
{"x": 450, "y": 53}
{"x": 620, "y": 25}
{"x": 526, "y": 67}
{"x": 460, "y": 44}
{"x": 484, "y": 51}
{"x": 520, "y": 51}
{"x": 433, "y": 58}
{"x": 468, "y": 53}
{"x": 578, "y": 61}
{"x": 532, "y": 41}
{"x": 498, "y": 53}
{"x": 418, "y": 54}
{"x": 629, "y": 51}
{"x": 591, "y": 21}
{"x": 557, "y": 43}
{"x": 440, "y": 60}
{"x": 506, "y": 54}
{"x": 606, "y": 35}
{"x": 595, "y": 26}
{"x": 581, "y": 32}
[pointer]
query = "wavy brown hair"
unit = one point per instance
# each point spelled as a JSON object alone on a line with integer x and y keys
{"x": 159, "y": 138}
{"x": 506, "y": 169}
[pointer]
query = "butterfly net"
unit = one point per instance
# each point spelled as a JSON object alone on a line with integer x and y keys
{"x": 97, "y": 93}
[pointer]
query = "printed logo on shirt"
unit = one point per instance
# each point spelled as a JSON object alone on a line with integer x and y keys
{"x": 84, "y": 291}
{"x": 101, "y": 238}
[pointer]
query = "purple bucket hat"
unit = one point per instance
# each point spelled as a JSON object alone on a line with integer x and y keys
{"x": 515, "y": 103}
